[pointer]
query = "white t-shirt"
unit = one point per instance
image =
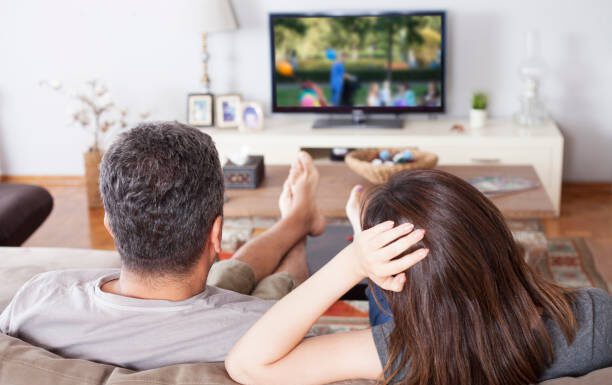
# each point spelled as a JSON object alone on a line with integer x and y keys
{"x": 66, "y": 312}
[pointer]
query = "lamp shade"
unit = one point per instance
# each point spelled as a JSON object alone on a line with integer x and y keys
{"x": 218, "y": 16}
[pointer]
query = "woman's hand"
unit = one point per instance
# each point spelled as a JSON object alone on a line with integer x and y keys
{"x": 374, "y": 251}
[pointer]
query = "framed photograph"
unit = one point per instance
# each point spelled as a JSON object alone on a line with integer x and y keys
{"x": 200, "y": 108}
{"x": 251, "y": 117}
{"x": 227, "y": 110}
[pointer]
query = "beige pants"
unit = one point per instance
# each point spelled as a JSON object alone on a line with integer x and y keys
{"x": 238, "y": 276}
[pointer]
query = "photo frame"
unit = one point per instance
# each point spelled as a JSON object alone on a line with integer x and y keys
{"x": 228, "y": 110}
{"x": 251, "y": 117}
{"x": 200, "y": 110}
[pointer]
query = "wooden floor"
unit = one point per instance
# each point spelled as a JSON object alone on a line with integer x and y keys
{"x": 586, "y": 211}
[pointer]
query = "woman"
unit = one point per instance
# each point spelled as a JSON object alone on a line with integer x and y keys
{"x": 471, "y": 312}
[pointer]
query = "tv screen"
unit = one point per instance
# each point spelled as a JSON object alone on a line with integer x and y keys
{"x": 388, "y": 63}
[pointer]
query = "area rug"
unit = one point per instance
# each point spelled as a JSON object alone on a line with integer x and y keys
{"x": 567, "y": 261}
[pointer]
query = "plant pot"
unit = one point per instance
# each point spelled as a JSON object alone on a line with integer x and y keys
{"x": 478, "y": 118}
{"x": 92, "y": 178}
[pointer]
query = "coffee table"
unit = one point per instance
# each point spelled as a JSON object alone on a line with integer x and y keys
{"x": 337, "y": 180}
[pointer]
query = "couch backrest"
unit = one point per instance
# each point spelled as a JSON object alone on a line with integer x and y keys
{"x": 24, "y": 364}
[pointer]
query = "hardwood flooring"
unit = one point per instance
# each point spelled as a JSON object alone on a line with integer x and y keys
{"x": 586, "y": 212}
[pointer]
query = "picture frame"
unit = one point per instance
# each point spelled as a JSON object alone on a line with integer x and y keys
{"x": 200, "y": 110}
{"x": 251, "y": 117}
{"x": 228, "y": 110}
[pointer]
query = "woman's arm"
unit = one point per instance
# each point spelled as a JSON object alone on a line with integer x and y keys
{"x": 273, "y": 350}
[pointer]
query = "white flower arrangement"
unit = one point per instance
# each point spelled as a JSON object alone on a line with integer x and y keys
{"x": 94, "y": 110}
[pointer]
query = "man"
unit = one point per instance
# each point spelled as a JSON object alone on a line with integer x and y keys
{"x": 336, "y": 78}
{"x": 162, "y": 188}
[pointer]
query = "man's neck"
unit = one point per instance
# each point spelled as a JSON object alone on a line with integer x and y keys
{"x": 163, "y": 287}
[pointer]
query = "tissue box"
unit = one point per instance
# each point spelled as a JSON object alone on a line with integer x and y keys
{"x": 246, "y": 176}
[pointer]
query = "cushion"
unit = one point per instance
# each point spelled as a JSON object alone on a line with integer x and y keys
{"x": 24, "y": 364}
{"x": 23, "y": 208}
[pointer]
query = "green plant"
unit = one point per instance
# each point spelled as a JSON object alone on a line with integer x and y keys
{"x": 479, "y": 101}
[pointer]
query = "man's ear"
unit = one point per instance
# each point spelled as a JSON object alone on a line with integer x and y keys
{"x": 107, "y": 225}
{"x": 214, "y": 237}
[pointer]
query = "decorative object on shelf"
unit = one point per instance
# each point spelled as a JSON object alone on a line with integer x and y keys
{"x": 94, "y": 110}
{"x": 500, "y": 184}
{"x": 227, "y": 111}
{"x": 458, "y": 128}
{"x": 337, "y": 154}
{"x": 251, "y": 117}
{"x": 244, "y": 176}
{"x": 218, "y": 17}
{"x": 200, "y": 108}
{"x": 532, "y": 111}
{"x": 478, "y": 113}
{"x": 364, "y": 163}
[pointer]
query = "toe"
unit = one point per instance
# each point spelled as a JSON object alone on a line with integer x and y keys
{"x": 356, "y": 193}
{"x": 306, "y": 161}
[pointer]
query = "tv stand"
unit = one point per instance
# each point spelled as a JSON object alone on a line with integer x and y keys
{"x": 358, "y": 120}
{"x": 500, "y": 142}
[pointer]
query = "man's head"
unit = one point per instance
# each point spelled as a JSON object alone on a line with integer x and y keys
{"x": 162, "y": 188}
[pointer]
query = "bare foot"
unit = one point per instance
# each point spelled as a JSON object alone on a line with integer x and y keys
{"x": 285, "y": 200}
{"x": 353, "y": 208}
{"x": 304, "y": 189}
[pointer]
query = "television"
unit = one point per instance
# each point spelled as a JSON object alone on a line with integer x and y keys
{"x": 383, "y": 63}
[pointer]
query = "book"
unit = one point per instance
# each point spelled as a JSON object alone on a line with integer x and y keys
{"x": 499, "y": 184}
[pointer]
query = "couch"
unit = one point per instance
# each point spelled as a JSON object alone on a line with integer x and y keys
{"x": 23, "y": 208}
{"x": 24, "y": 364}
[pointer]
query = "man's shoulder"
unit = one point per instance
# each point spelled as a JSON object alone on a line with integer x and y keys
{"x": 67, "y": 277}
{"x": 231, "y": 300}
{"x": 57, "y": 282}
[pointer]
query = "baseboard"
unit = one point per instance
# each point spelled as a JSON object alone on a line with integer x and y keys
{"x": 600, "y": 187}
{"x": 45, "y": 180}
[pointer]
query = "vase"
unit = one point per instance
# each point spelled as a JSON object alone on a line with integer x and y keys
{"x": 92, "y": 178}
{"x": 478, "y": 118}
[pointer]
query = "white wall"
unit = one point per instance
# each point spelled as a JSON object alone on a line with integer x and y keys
{"x": 148, "y": 51}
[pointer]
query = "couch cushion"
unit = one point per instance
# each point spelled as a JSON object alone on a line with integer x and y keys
{"x": 22, "y": 209}
{"x": 24, "y": 364}
{"x": 19, "y": 264}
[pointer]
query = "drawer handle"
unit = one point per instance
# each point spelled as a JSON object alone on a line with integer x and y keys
{"x": 486, "y": 160}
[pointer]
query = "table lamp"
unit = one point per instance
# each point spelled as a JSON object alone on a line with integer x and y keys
{"x": 218, "y": 17}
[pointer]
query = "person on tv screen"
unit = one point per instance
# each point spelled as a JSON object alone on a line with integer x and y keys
{"x": 336, "y": 75}
{"x": 432, "y": 99}
{"x": 374, "y": 95}
{"x": 312, "y": 95}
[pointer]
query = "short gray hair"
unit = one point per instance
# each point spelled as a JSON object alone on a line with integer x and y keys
{"x": 162, "y": 188}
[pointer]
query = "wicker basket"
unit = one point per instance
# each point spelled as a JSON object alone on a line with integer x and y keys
{"x": 360, "y": 161}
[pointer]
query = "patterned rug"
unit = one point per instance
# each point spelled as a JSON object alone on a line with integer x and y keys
{"x": 567, "y": 261}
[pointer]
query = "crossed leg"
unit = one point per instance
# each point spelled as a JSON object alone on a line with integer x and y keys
{"x": 282, "y": 248}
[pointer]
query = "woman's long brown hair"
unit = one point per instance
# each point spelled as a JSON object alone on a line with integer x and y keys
{"x": 472, "y": 311}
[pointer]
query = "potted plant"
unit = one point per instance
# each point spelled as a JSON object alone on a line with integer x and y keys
{"x": 478, "y": 113}
{"x": 93, "y": 110}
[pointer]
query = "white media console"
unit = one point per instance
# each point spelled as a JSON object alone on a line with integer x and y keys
{"x": 500, "y": 142}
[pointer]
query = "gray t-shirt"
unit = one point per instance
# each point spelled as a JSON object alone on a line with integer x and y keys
{"x": 66, "y": 312}
{"x": 590, "y": 350}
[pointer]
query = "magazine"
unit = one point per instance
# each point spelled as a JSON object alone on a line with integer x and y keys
{"x": 498, "y": 184}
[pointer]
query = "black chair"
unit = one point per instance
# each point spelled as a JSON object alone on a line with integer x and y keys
{"x": 23, "y": 208}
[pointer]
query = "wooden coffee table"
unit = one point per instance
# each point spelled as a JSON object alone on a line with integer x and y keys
{"x": 337, "y": 180}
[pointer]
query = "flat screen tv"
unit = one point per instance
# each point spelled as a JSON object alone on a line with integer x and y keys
{"x": 372, "y": 62}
